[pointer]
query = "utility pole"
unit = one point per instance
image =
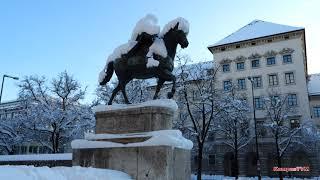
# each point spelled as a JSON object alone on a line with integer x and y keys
{"x": 255, "y": 128}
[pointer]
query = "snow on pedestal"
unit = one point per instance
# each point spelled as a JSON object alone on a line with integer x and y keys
{"x": 171, "y": 138}
{"x": 165, "y": 103}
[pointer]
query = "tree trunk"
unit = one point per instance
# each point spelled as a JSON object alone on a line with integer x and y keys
{"x": 199, "y": 169}
{"x": 278, "y": 157}
{"x": 236, "y": 154}
{"x": 53, "y": 142}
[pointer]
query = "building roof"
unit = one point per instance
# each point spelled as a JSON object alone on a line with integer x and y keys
{"x": 256, "y": 29}
{"x": 314, "y": 84}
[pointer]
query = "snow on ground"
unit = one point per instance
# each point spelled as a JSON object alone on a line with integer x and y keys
{"x": 172, "y": 138}
{"x": 220, "y": 177}
{"x": 168, "y": 103}
{"x": 36, "y": 157}
{"x": 59, "y": 173}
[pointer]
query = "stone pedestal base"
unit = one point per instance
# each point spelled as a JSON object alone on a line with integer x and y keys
{"x": 153, "y": 162}
{"x": 138, "y": 140}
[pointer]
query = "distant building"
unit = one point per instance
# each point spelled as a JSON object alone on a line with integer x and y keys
{"x": 8, "y": 110}
{"x": 275, "y": 56}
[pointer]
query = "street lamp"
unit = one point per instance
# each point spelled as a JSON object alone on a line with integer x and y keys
{"x": 255, "y": 128}
{"x": 3, "y": 77}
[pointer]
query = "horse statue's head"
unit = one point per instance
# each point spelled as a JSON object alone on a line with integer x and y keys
{"x": 174, "y": 33}
{"x": 180, "y": 36}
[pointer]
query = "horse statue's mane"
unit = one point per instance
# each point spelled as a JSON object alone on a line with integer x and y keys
{"x": 148, "y": 55}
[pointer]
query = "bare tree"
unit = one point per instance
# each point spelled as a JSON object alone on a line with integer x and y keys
{"x": 233, "y": 124}
{"x": 285, "y": 131}
{"x": 54, "y": 114}
{"x": 199, "y": 100}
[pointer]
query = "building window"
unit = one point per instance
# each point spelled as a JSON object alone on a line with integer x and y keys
{"x": 23, "y": 150}
{"x": 289, "y": 78}
{"x": 255, "y": 63}
{"x": 294, "y": 123}
{"x": 287, "y": 58}
{"x": 226, "y": 68}
{"x": 33, "y": 149}
{"x": 227, "y": 85}
{"x": 257, "y": 82}
{"x": 316, "y": 111}
{"x": 242, "y": 83}
{"x": 292, "y": 100}
{"x": 258, "y": 103}
{"x": 271, "y": 60}
{"x": 212, "y": 159}
{"x": 273, "y": 80}
{"x": 240, "y": 66}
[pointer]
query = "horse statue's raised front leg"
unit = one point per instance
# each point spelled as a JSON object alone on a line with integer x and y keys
{"x": 173, "y": 89}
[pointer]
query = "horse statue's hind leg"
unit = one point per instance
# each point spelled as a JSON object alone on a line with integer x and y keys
{"x": 159, "y": 86}
{"x": 123, "y": 89}
{"x": 114, "y": 93}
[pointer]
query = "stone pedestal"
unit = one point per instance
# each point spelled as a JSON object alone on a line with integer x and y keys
{"x": 140, "y": 153}
{"x": 134, "y": 119}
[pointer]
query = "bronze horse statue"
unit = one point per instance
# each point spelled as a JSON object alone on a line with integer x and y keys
{"x": 127, "y": 71}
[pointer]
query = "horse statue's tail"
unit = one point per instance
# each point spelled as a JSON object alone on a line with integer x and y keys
{"x": 106, "y": 74}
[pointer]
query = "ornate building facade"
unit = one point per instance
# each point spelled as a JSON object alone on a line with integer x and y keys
{"x": 275, "y": 58}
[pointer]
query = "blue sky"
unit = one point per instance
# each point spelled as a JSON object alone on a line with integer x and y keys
{"x": 48, "y": 37}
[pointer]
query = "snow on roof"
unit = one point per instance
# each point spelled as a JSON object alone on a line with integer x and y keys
{"x": 167, "y": 103}
{"x": 314, "y": 84}
{"x": 172, "y": 138}
{"x": 147, "y": 24}
{"x": 183, "y": 25}
{"x": 36, "y": 157}
{"x": 256, "y": 29}
{"x": 61, "y": 173}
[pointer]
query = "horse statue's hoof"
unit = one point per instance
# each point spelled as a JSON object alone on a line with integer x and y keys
{"x": 170, "y": 95}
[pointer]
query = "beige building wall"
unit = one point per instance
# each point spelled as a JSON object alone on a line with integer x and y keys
{"x": 295, "y": 43}
{"x": 315, "y": 102}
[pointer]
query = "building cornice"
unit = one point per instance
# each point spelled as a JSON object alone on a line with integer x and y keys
{"x": 257, "y": 41}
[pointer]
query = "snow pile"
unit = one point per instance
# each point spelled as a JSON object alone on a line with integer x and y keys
{"x": 167, "y": 103}
{"x": 147, "y": 24}
{"x": 221, "y": 177}
{"x": 256, "y": 29}
{"x": 158, "y": 47}
{"x": 36, "y": 157}
{"x": 117, "y": 53}
{"x": 314, "y": 84}
{"x": 60, "y": 173}
{"x": 171, "y": 138}
{"x": 183, "y": 25}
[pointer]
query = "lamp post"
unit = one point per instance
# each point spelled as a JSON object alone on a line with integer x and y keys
{"x": 255, "y": 128}
{"x": 3, "y": 78}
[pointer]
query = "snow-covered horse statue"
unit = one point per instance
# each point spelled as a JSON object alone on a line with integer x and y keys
{"x": 156, "y": 61}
